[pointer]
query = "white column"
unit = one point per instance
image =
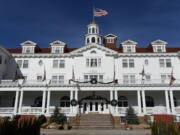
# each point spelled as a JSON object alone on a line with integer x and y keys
{"x": 48, "y": 101}
{"x": 71, "y": 97}
{"x": 172, "y": 102}
{"x": 21, "y": 100}
{"x": 139, "y": 101}
{"x": 43, "y": 102}
{"x": 144, "y": 101}
{"x": 116, "y": 98}
{"x": 76, "y": 98}
{"x": 167, "y": 101}
{"x": 111, "y": 97}
{"x": 16, "y": 102}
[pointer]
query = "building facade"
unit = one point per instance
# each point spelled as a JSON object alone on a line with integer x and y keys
{"x": 99, "y": 77}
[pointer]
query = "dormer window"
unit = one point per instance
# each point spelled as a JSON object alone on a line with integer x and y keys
{"x": 57, "y": 47}
{"x": 129, "y": 46}
{"x": 57, "y": 50}
{"x": 110, "y": 40}
{"x": 159, "y": 46}
{"x": 28, "y": 47}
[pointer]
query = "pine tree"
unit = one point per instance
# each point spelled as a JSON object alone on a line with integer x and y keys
{"x": 58, "y": 117}
{"x": 131, "y": 117}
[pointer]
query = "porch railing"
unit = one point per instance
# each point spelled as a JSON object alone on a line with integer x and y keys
{"x": 65, "y": 110}
{"x": 177, "y": 110}
{"x": 6, "y": 110}
{"x": 122, "y": 110}
{"x": 66, "y": 82}
{"x": 31, "y": 110}
{"x": 156, "y": 110}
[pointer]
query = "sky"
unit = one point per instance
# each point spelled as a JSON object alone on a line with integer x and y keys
{"x": 44, "y": 21}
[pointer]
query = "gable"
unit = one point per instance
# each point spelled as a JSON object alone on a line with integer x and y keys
{"x": 94, "y": 46}
{"x": 158, "y": 42}
{"x": 129, "y": 42}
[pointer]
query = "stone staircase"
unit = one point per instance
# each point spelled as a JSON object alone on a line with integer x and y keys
{"x": 94, "y": 121}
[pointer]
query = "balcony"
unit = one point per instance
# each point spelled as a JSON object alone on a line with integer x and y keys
{"x": 82, "y": 82}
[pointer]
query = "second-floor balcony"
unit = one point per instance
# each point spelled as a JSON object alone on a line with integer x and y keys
{"x": 105, "y": 82}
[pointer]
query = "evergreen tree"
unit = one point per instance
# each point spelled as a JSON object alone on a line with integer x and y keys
{"x": 131, "y": 117}
{"x": 58, "y": 117}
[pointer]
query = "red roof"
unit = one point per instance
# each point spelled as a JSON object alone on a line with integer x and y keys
{"x": 120, "y": 50}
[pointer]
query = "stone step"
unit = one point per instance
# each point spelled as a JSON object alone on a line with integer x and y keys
{"x": 93, "y": 127}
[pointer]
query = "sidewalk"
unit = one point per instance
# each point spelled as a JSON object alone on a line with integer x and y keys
{"x": 94, "y": 132}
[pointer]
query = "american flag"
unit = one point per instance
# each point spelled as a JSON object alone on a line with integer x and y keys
{"x": 143, "y": 72}
{"x": 100, "y": 12}
{"x": 15, "y": 77}
{"x": 172, "y": 79}
{"x": 114, "y": 77}
{"x": 44, "y": 78}
{"x": 73, "y": 76}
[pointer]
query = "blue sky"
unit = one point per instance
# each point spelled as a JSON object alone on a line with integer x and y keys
{"x": 44, "y": 21}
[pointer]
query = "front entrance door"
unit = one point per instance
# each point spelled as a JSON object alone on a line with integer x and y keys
{"x": 94, "y": 106}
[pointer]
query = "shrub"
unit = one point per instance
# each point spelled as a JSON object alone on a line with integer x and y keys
{"x": 58, "y": 117}
{"x": 131, "y": 117}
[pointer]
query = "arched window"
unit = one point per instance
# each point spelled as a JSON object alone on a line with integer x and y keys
{"x": 98, "y": 40}
{"x": 122, "y": 101}
{"x": 93, "y": 39}
{"x": 89, "y": 30}
{"x": 87, "y": 40}
{"x": 149, "y": 101}
{"x": 38, "y": 101}
{"x": 96, "y": 30}
{"x": 65, "y": 101}
{"x": 93, "y": 30}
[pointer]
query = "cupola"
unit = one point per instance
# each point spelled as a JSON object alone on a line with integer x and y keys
{"x": 110, "y": 41}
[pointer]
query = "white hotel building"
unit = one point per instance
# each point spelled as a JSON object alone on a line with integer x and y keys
{"x": 99, "y": 58}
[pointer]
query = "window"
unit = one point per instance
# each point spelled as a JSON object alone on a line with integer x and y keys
{"x": 25, "y": 64}
{"x": 99, "y": 62}
{"x": 124, "y": 63}
{"x": 146, "y": 62}
{"x": 165, "y": 63}
{"x": 25, "y": 78}
{"x": 128, "y": 63}
{"x": 129, "y": 79}
{"x": 89, "y": 77}
{"x": 98, "y": 40}
{"x": 58, "y": 79}
{"x": 110, "y": 40}
{"x": 65, "y": 101}
{"x": 125, "y": 79}
{"x": 100, "y": 78}
{"x": 93, "y": 62}
{"x": 87, "y": 62}
{"x": 28, "y": 49}
{"x": 122, "y": 101}
{"x": 62, "y": 64}
{"x": 93, "y": 30}
{"x": 38, "y": 101}
{"x": 93, "y": 40}
{"x": 132, "y": 79}
{"x": 168, "y": 62}
{"x": 55, "y": 63}
{"x": 165, "y": 78}
{"x": 129, "y": 49}
{"x": 87, "y": 40}
{"x": 39, "y": 78}
{"x": 131, "y": 63}
{"x": 58, "y": 63}
{"x": 159, "y": 48}
{"x": 85, "y": 77}
{"x": 57, "y": 49}
{"x": 148, "y": 77}
{"x": 19, "y": 63}
{"x": 89, "y": 30}
{"x": 149, "y": 101}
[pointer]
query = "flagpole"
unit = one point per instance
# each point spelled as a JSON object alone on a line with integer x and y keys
{"x": 93, "y": 14}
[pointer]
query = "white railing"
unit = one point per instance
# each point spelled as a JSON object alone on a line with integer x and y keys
{"x": 67, "y": 82}
{"x": 177, "y": 109}
{"x": 65, "y": 110}
{"x": 156, "y": 110}
{"x": 6, "y": 110}
{"x": 122, "y": 110}
{"x": 31, "y": 110}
